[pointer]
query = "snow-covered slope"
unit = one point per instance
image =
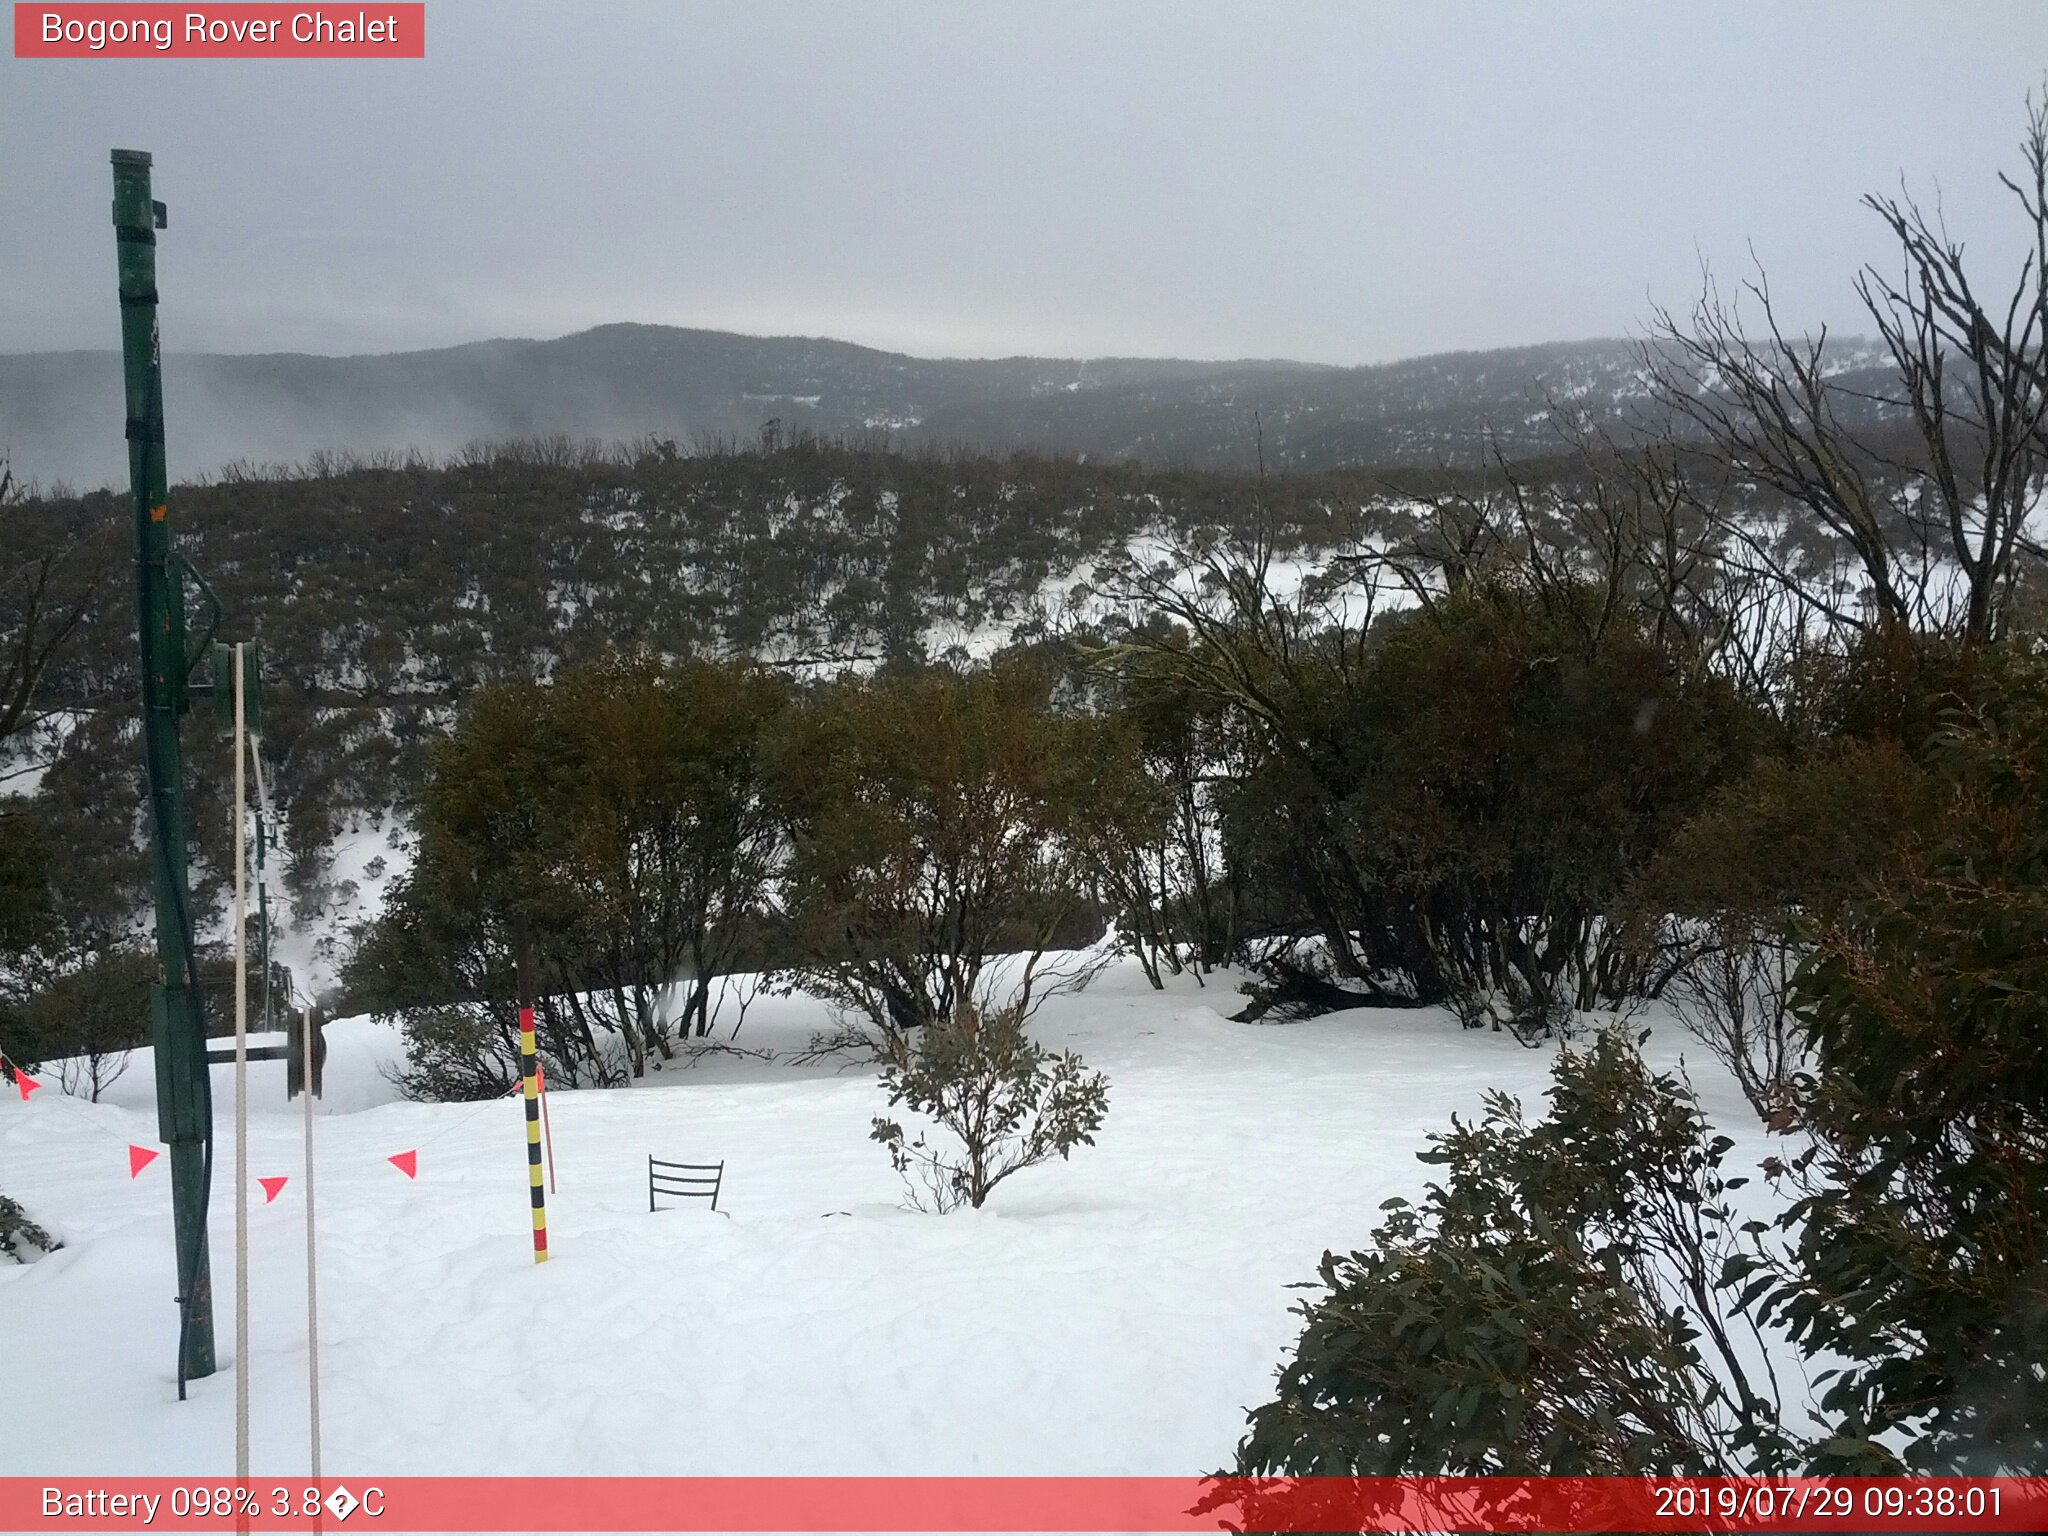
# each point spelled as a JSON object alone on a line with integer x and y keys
{"x": 1115, "y": 1314}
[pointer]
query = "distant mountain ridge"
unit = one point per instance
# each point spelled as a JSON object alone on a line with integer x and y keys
{"x": 61, "y": 412}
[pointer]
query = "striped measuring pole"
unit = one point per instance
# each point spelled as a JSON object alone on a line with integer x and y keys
{"x": 529, "y": 1066}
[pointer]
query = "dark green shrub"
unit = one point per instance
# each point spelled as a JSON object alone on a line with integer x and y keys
{"x": 942, "y": 830}
{"x": 1549, "y": 1307}
{"x": 21, "y": 1239}
{"x": 1459, "y": 813}
{"x": 1920, "y": 1243}
{"x": 455, "y": 1054}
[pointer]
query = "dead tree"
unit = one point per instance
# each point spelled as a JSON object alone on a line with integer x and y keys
{"x": 47, "y": 595}
{"x": 1938, "y": 535}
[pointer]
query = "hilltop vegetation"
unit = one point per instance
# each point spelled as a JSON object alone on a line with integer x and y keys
{"x": 703, "y": 388}
{"x": 386, "y": 592}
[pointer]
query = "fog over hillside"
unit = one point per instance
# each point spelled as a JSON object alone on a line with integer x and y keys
{"x": 61, "y": 413}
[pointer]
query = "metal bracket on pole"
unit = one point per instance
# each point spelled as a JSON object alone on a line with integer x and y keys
{"x": 222, "y": 685}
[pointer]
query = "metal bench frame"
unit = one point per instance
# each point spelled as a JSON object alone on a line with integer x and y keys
{"x": 684, "y": 1181}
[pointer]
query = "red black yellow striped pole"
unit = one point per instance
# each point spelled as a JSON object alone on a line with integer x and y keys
{"x": 529, "y": 1066}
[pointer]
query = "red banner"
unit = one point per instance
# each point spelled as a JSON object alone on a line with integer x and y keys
{"x": 1001, "y": 1504}
{"x": 112, "y": 31}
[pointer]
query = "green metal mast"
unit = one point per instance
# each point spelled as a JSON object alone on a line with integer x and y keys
{"x": 183, "y": 1094}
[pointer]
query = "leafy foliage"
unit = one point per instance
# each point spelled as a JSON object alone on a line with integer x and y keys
{"x": 1160, "y": 861}
{"x": 87, "y": 1018}
{"x": 1921, "y": 1238}
{"x": 1738, "y": 888}
{"x": 1007, "y": 1103}
{"x": 941, "y": 825}
{"x": 1548, "y": 1308}
{"x": 610, "y": 833}
{"x": 673, "y": 834}
{"x": 1457, "y": 812}
{"x": 20, "y": 1238}
{"x": 25, "y": 906}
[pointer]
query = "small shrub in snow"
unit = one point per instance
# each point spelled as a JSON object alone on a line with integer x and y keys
{"x": 1006, "y": 1102}
{"x": 21, "y": 1239}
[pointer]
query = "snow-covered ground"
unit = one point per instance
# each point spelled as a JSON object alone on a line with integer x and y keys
{"x": 1115, "y": 1314}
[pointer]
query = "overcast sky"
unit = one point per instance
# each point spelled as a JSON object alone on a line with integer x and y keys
{"x": 1344, "y": 183}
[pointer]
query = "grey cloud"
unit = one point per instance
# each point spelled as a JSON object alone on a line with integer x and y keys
{"x": 1334, "y": 182}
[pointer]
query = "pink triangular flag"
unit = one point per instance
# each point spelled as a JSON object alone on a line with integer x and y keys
{"x": 139, "y": 1158}
{"x": 273, "y": 1187}
{"x": 407, "y": 1163}
{"x": 26, "y": 1084}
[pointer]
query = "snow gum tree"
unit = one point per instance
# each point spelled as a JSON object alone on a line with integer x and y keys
{"x": 673, "y": 840}
{"x": 1447, "y": 802}
{"x": 611, "y": 832}
{"x": 1160, "y": 860}
{"x": 941, "y": 830}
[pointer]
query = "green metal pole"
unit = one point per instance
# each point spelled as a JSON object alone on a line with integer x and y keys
{"x": 183, "y": 1095}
